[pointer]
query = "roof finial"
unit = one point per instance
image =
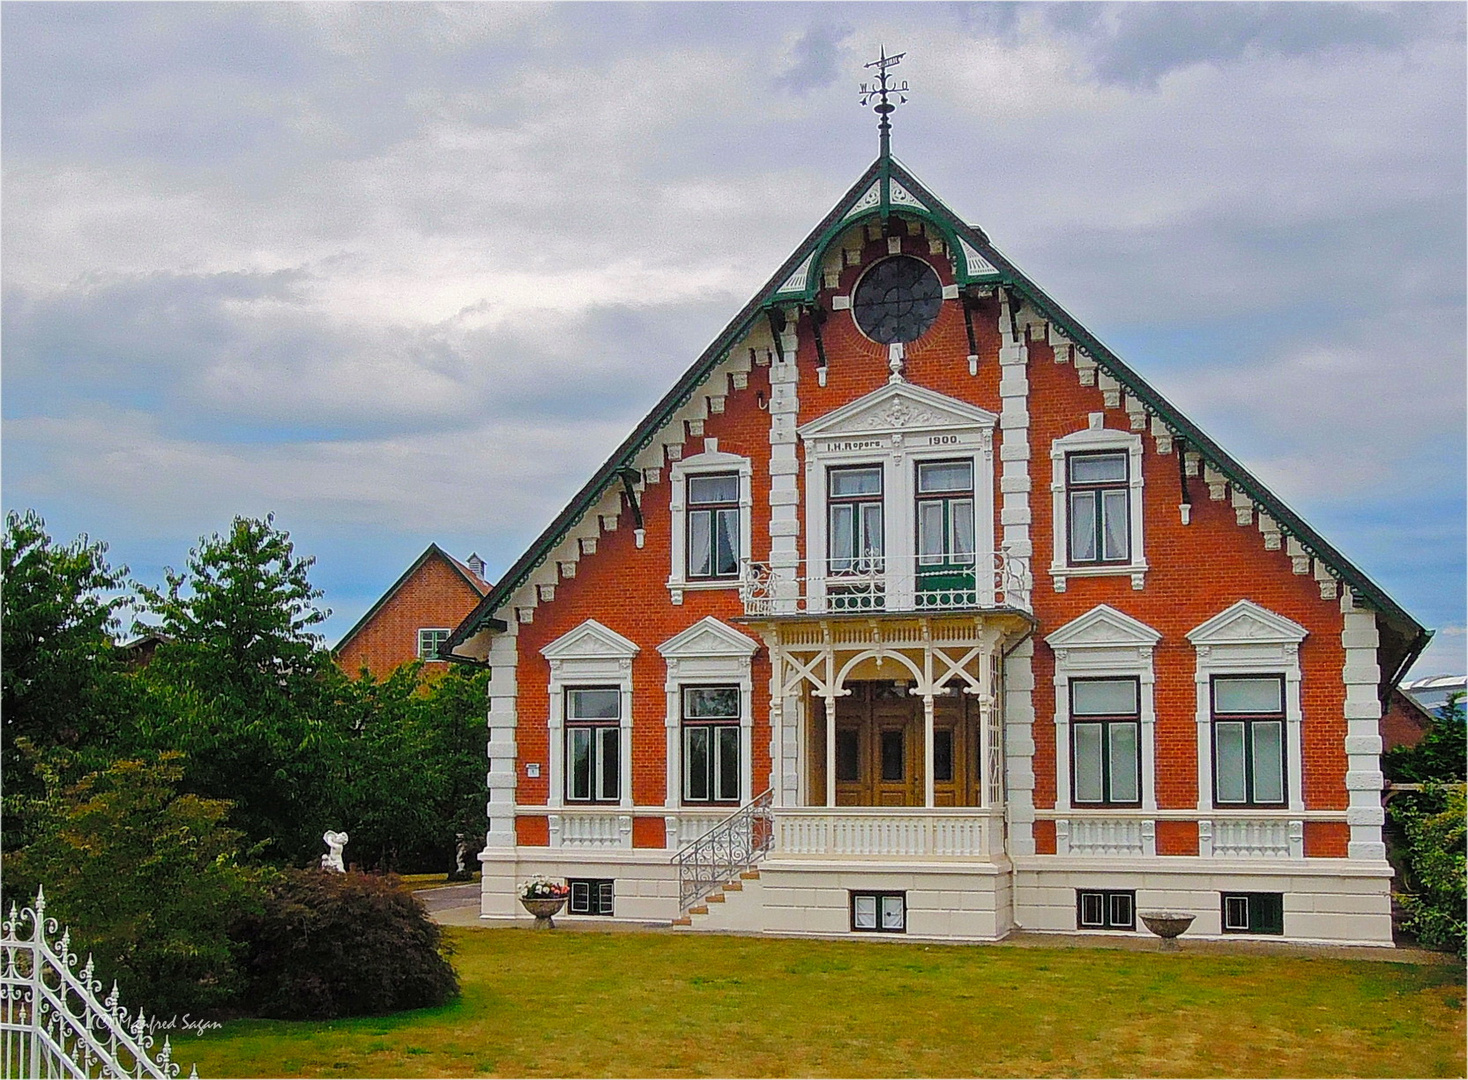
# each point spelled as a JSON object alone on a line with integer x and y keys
{"x": 883, "y": 90}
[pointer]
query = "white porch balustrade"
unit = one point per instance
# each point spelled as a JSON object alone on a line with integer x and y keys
{"x": 876, "y": 832}
{"x": 1105, "y": 836}
{"x": 1252, "y": 838}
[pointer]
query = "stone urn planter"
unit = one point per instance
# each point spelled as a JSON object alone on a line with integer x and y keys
{"x": 1167, "y": 925}
{"x": 543, "y": 908}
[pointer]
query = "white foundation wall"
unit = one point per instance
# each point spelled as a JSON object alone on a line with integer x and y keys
{"x": 646, "y": 888}
{"x": 958, "y": 902}
{"x": 1327, "y": 902}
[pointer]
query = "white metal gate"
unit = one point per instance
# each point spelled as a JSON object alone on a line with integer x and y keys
{"x": 51, "y": 1022}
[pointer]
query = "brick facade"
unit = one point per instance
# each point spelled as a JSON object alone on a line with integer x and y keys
{"x": 1222, "y": 549}
{"x": 436, "y": 592}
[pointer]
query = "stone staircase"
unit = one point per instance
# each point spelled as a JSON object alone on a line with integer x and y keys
{"x": 735, "y": 906}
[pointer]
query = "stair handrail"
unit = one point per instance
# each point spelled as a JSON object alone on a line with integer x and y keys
{"x": 725, "y": 851}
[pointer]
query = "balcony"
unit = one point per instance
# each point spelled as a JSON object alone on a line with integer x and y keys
{"x": 877, "y": 584}
{"x": 862, "y": 832}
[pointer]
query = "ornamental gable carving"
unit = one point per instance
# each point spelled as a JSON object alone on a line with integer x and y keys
{"x": 708, "y": 637}
{"x": 1246, "y": 623}
{"x": 898, "y": 407}
{"x": 1102, "y": 626}
{"x": 590, "y": 639}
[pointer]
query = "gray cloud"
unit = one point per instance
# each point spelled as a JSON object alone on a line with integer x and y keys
{"x": 408, "y": 271}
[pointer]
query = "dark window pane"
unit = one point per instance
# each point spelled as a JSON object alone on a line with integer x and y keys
{"x": 893, "y": 765}
{"x": 580, "y": 771}
{"x": 1092, "y": 909}
{"x": 943, "y": 755}
{"x": 726, "y": 543}
{"x": 710, "y": 702}
{"x": 696, "y": 763}
{"x": 728, "y": 764}
{"x": 609, "y": 764}
{"x": 602, "y": 704}
{"x": 848, "y": 755}
{"x": 1121, "y": 910}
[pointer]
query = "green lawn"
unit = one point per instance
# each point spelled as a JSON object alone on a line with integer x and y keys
{"x": 591, "y": 1004}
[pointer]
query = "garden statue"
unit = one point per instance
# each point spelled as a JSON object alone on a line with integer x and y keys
{"x": 332, "y": 860}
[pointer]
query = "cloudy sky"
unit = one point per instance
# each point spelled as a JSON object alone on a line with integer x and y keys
{"x": 403, "y": 273}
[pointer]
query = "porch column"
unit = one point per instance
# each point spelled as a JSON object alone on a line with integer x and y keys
{"x": 928, "y": 750}
{"x": 830, "y": 749}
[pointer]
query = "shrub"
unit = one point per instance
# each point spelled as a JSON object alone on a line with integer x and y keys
{"x": 328, "y": 945}
{"x": 1434, "y": 824}
{"x": 146, "y": 879}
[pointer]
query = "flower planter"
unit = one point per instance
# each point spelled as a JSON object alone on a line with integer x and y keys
{"x": 543, "y": 908}
{"x": 1167, "y": 925}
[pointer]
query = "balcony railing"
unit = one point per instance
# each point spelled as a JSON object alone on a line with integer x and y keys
{"x": 877, "y": 584}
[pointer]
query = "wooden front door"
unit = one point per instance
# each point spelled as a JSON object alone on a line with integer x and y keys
{"x": 879, "y": 748}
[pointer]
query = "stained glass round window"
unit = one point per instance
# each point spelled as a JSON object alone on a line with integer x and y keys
{"x": 897, "y": 300}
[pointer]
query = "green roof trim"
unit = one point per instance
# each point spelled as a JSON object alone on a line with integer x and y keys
{"x": 999, "y": 271}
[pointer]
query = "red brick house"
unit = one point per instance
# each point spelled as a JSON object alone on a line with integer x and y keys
{"x": 914, "y": 597}
{"x": 415, "y": 616}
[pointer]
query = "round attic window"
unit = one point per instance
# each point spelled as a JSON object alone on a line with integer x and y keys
{"x": 897, "y": 300}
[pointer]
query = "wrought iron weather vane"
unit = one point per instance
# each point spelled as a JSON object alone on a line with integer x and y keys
{"x": 884, "y": 90}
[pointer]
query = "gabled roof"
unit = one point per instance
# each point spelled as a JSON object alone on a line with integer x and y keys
{"x": 473, "y": 580}
{"x": 887, "y": 186}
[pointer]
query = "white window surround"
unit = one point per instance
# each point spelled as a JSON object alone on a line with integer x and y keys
{"x": 1247, "y": 639}
{"x": 895, "y": 427}
{"x": 1104, "y": 643}
{"x": 1096, "y": 436}
{"x": 708, "y": 653}
{"x": 711, "y": 460}
{"x": 590, "y": 655}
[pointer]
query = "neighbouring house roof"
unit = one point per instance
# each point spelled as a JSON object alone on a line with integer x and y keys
{"x": 888, "y": 187}
{"x": 473, "y": 580}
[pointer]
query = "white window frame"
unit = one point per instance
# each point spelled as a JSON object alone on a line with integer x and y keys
{"x": 708, "y": 653}
{"x": 1105, "y": 643}
{"x": 711, "y": 461}
{"x": 895, "y": 428}
{"x": 591, "y": 655}
{"x": 1247, "y": 639}
{"x": 444, "y": 630}
{"x": 1096, "y": 437}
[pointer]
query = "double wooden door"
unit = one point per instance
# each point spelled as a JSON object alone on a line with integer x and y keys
{"x": 879, "y": 749}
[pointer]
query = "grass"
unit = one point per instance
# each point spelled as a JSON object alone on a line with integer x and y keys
{"x": 591, "y": 1004}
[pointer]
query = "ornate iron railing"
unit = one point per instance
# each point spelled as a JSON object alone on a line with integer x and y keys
{"x": 727, "y": 850}
{"x": 51, "y": 1021}
{"x": 875, "y": 584}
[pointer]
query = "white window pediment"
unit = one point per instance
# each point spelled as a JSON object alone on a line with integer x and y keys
{"x": 590, "y": 641}
{"x": 708, "y": 638}
{"x": 1246, "y": 623}
{"x": 1103, "y": 626}
{"x": 898, "y": 407}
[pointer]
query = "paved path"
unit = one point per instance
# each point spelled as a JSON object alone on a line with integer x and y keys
{"x": 450, "y": 897}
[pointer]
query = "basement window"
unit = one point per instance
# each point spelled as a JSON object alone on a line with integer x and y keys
{"x": 879, "y": 912}
{"x": 591, "y": 896}
{"x": 1253, "y": 913}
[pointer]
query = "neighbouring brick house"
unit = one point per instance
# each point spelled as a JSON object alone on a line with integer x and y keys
{"x": 916, "y": 595}
{"x": 415, "y": 616}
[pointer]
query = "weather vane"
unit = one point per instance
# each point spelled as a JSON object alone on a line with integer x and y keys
{"x": 884, "y": 90}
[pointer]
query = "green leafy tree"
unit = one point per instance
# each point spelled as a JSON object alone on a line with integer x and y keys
{"x": 457, "y": 703}
{"x": 147, "y": 879}
{"x": 243, "y": 681}
{"x": 62, "y": 684}
{"x": 1439, "y": 756}
{"x": 1437, "y": 876}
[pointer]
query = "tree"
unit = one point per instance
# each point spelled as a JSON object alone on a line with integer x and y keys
{"x": 147, "y": 879}
{"x": 61, "y": 683}
{"x": 242, "y": 676}
{"x": 1441, "y": 753}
